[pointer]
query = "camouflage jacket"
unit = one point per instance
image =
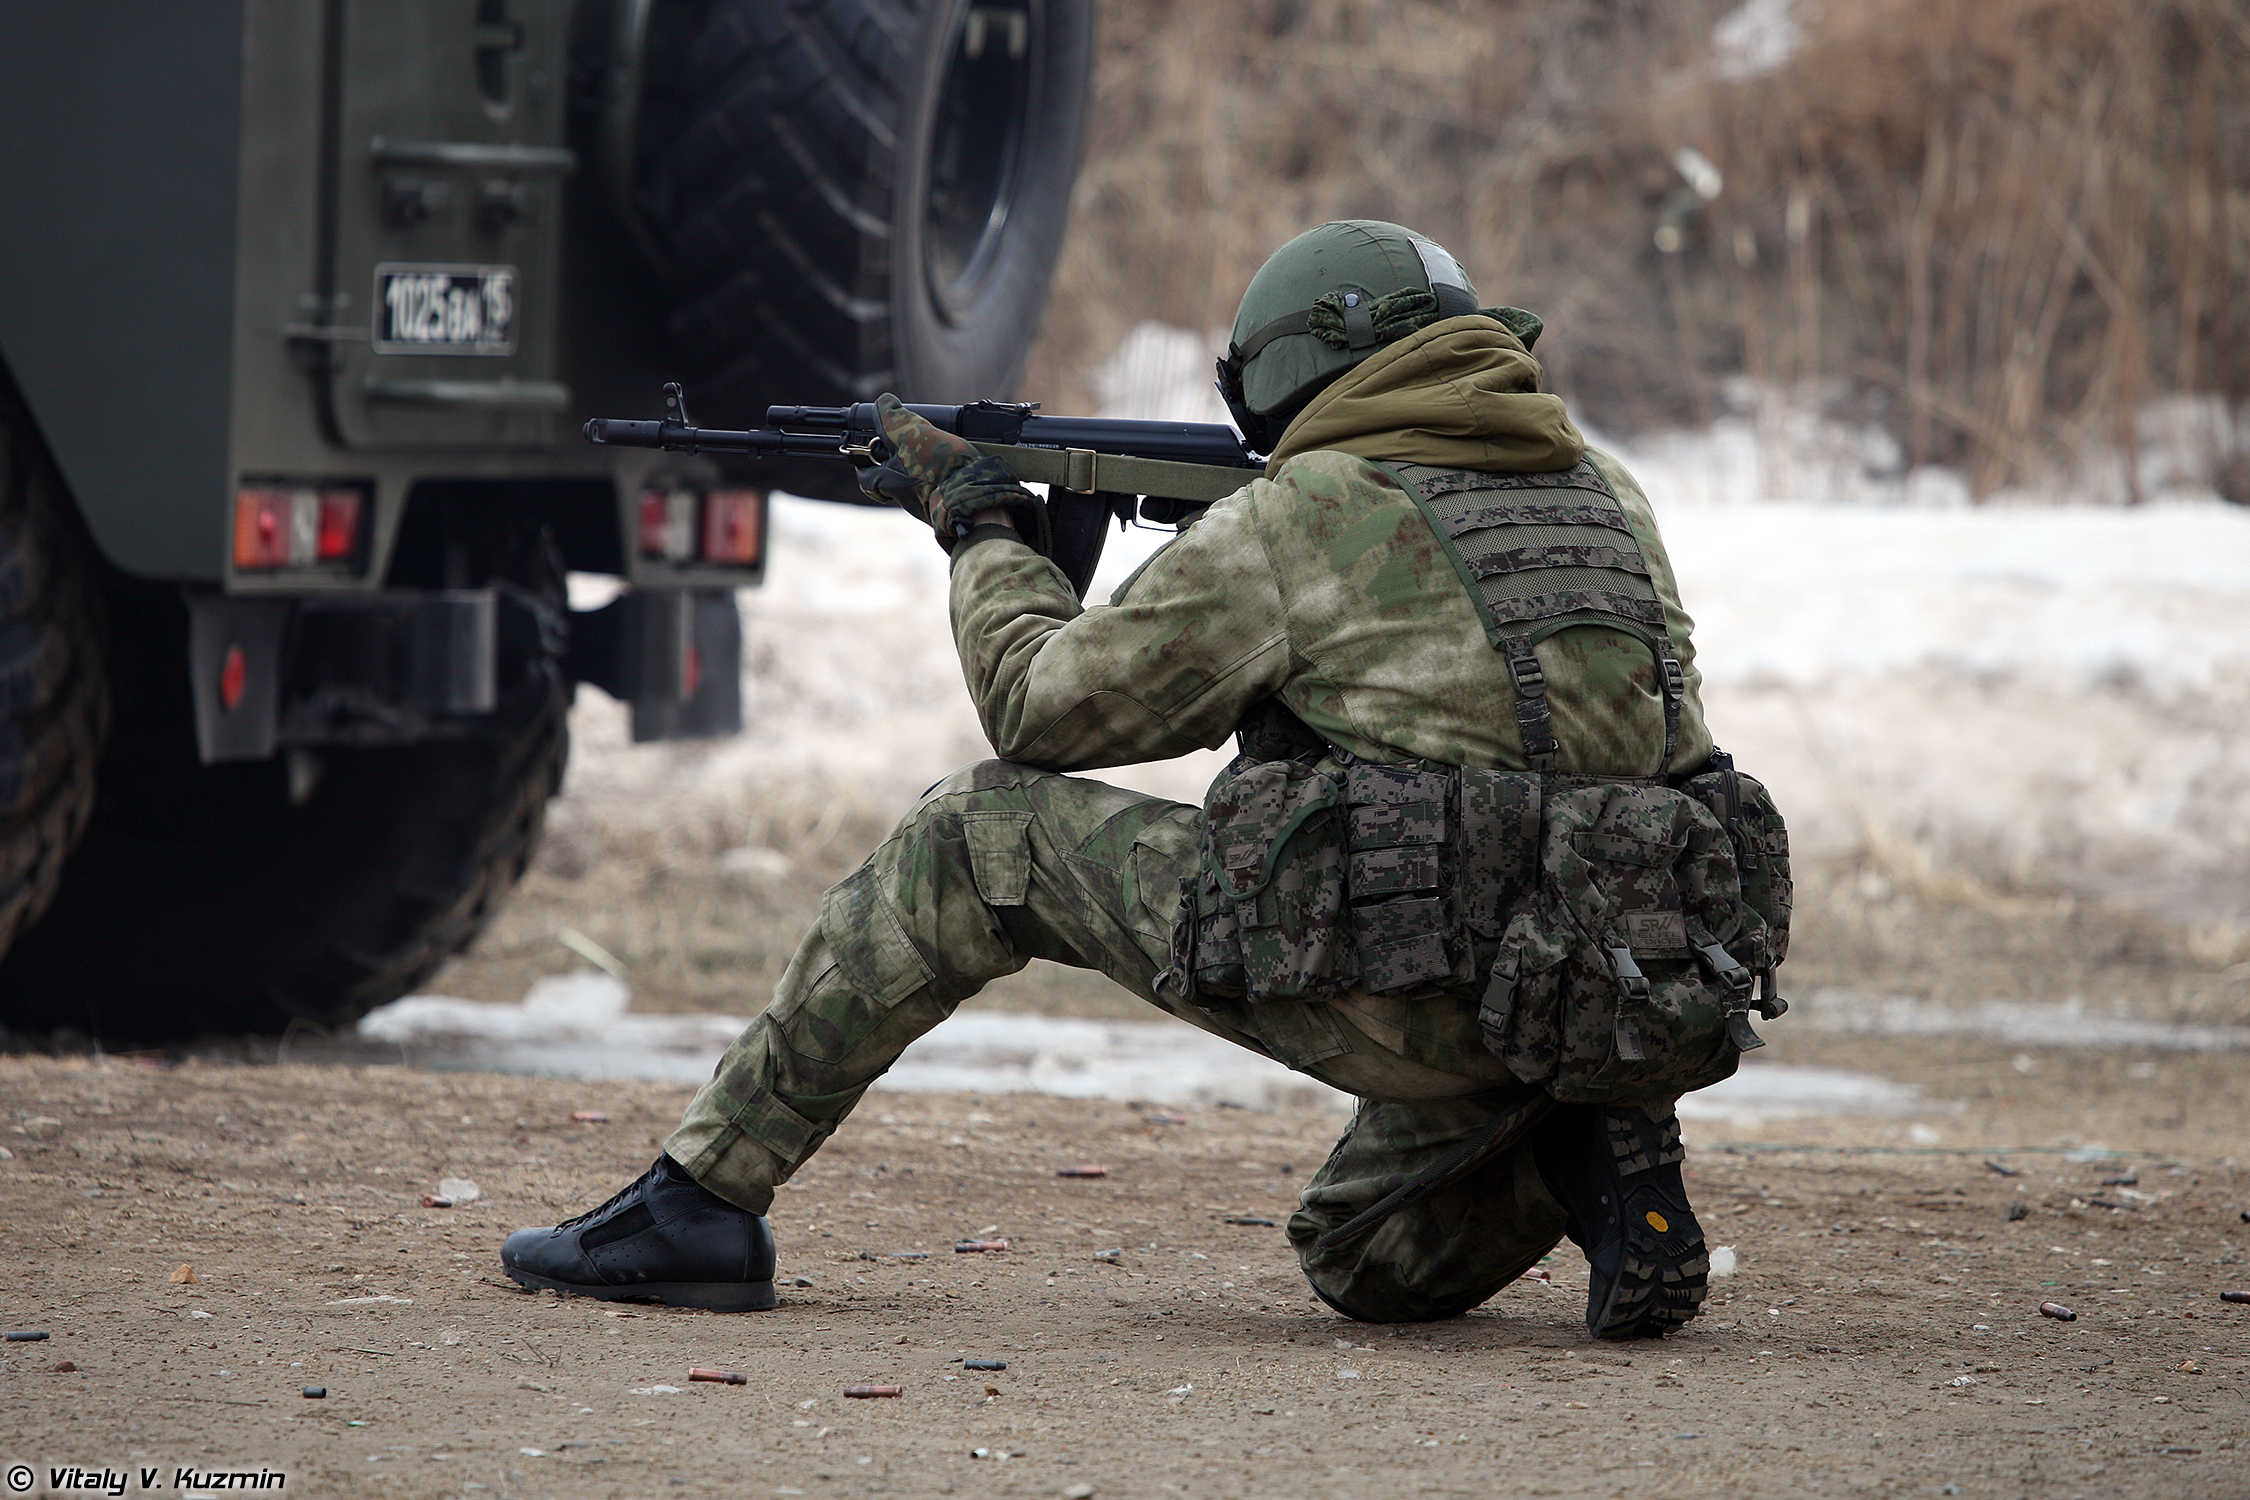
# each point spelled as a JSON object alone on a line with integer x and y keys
{"x": 1322, "y": 585}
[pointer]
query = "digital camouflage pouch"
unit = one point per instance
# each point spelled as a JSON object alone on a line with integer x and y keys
{"x": 1746, "y": 809}
{"x": 1629, "y": 972}
{"x": 1399, "y": 878}
{"x": 1270, "y": 912}
{"x": 1321, "y": 875}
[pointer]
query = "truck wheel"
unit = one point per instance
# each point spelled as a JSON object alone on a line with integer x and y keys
{"x": 858, "y": 196}
{"x": 54, "y": 699}
{"x": 311, "y": 887}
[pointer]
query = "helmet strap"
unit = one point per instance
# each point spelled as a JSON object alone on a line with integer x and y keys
{"x": 1262, "y": 434}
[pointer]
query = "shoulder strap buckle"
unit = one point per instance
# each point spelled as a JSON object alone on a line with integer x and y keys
{"x": 1538, "y": 729}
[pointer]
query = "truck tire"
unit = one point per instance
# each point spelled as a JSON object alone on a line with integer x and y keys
{"x": 54, "y": 699}
{"x": 857, "y": 196}
{"x": 309, "y": 888}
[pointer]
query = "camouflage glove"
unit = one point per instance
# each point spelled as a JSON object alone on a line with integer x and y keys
{"x": 948, "y": 481}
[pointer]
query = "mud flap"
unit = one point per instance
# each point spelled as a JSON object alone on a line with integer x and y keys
{"x": 674, "y": 655}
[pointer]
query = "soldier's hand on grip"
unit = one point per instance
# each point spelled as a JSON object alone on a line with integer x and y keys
{"x": 947, "y": 480}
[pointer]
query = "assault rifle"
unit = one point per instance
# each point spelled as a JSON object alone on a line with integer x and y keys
{"x": 1095, "y": 468}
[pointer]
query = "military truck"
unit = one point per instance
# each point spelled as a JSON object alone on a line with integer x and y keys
{"x": 302, "y": 304}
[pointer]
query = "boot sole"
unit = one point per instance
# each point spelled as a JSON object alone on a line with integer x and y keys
{"x": 711, "y": 1296}
{"x": 1665, "y": 1272}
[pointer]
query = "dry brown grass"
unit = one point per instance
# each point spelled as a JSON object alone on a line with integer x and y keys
{"x": 2018, "y": 218}
{"x": 1218, "y": 132}
{"x": 2005, "y": 224}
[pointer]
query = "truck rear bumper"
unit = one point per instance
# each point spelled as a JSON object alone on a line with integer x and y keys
{"x": 404, "y": 666}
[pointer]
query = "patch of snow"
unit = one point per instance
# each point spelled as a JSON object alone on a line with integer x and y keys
{"x": 2056, "y": 1023}
{"x": 1759, "y": 1092}
{"x": 1162, "y": 374}
{"x": 997, "y": 1052}
{"x": 1755, "y": 37}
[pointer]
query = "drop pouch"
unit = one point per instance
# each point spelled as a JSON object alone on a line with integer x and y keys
{"x": 1628, "y": 973}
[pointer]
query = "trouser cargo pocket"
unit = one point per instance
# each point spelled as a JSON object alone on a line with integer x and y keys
{"x": 999, "y": 846}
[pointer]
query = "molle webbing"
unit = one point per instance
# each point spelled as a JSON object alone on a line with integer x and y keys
{"x": 1540, "y": 553}
{"x": 1522, "y": 559}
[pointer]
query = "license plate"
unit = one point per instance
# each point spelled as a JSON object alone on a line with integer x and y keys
{"x": 445, "y": 309}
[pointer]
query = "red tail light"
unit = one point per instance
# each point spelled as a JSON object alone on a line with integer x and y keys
{"x": 297, "y": 526}
{"x": 727, "y": 527}
{"x": 734, "y": 526}
{"x": 337, "y": 537}
{"x": 667, "y": 528}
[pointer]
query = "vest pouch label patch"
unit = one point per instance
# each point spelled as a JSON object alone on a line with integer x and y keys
{"x": 1662, "y": 930}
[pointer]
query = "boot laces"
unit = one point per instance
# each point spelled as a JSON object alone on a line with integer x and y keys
{"x": 615, "y": 1198}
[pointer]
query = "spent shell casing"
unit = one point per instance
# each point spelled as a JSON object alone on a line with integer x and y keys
{"x": 588, "y": 1117}
{"x": 1088, "y": 1170}
{"x": 984, "y": 1364}
{"x": 719, "y": 1377}
{"x": 316, "y": 1393}
{"x": 863, "y": 1392}
{"x": 972, "y": 1247}
{"x": 436, "y": 1200}
{"x": 2058, "y": 1312}
{"x": 2234, "y": 1296}
{"x": 27, "y": 1336}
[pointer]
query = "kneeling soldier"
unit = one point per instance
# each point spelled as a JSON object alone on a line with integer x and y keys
{"x": 1478, "y": 865}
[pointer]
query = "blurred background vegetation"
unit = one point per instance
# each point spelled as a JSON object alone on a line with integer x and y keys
{"x": 2011, "y": 233}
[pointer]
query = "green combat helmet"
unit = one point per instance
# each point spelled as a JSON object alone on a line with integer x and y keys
{"x": 1322, "y": 303}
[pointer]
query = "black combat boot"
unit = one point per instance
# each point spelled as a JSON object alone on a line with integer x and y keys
{"x": 1616, "y": 1171}
{"x": 666, "y": 1238}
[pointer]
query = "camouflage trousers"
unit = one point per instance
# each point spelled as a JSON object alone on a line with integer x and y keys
{"x": 1001, "y": 864}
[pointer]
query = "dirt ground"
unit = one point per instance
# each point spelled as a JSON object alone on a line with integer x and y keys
{"x": 1881, "y": 1336}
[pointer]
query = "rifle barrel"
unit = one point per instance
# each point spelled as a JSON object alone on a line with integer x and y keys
{"x": 763, "y": 443}
{"x": 1209, "y": 443}
{"x": 823, "y": 431}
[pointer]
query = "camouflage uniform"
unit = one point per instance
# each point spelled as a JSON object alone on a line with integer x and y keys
{"x": 1320, "y": 587}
